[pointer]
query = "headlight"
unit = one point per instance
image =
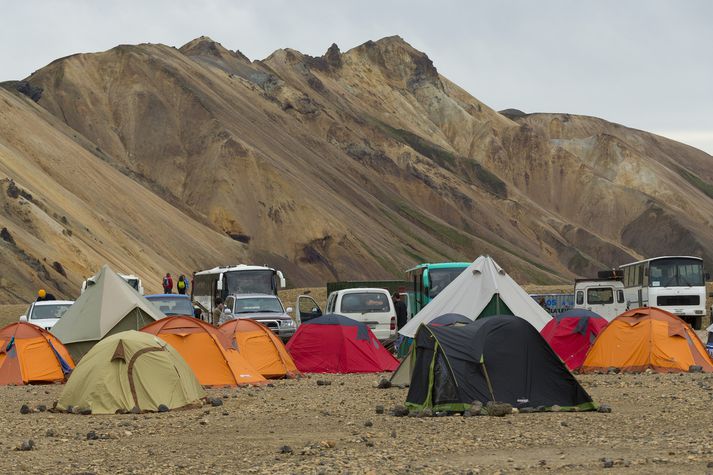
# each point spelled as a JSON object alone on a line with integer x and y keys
{"x": 288, "y": 323}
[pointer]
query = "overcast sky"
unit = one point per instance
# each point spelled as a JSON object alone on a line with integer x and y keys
{"x": 646, "y": 64}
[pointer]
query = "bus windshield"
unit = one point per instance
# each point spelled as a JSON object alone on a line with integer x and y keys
{"x": 440, "y": 278}
{"x": 250, "y": 282}
{"x": 676, "y": 272}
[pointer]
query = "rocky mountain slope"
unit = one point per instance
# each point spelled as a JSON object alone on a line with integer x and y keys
{"x": 345, "y": 166}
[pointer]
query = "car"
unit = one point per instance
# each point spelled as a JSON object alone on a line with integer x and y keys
{"x": 46, "y": 313}
{"x": 172, "y": 305}
{"x": 369, "y": 305}
{"x": 264, "y": 308}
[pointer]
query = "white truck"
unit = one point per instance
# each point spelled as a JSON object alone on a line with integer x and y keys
{"x": 132, "y": 280}
{"x": 603, "y": 296}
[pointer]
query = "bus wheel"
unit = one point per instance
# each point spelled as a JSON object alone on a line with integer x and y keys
{"x": 697, "y": 323}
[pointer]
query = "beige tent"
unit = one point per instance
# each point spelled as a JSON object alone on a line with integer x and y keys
{"x": 105, "y": 308}
{"x": 127, "y": 370}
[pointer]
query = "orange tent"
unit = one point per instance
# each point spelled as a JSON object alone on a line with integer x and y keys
{"x": 204, "y": 349}
{"x": 647, "y": 338}
{"x": 262, "y": 348}
{"x": 30, "y": 354}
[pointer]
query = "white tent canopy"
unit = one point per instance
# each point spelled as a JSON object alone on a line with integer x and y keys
{"x": 472, "y": 291}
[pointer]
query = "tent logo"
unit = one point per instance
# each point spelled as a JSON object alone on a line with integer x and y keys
{"x": 523, "y": 400}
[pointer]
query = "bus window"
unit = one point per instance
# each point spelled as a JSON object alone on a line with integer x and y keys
{"x": 600, "y": 296}
{"x": 580, "y": 297}
{"x": 620, "y": 296}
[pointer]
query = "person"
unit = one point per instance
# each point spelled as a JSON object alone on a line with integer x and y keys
{"x": 217, "y": 312}
{"x": 182, "y": 284}
{"x": 167, "y": 284}
{"x": 401, "y": 311}
{"x": 42, "y": 295}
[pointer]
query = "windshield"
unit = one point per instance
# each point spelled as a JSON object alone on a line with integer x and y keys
{"x": 134, "y": 283}
{"x": 49, "y": 311}
{"x": 365, "y": 302}
{"x": 440, "y": 278}
{"x": 258, "y": 305}
{"x": 676, "y": 272}
{"x": 250, "y": 282}
{"x": 172, "y": 306}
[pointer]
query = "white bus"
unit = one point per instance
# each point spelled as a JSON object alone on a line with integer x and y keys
{"x": 234, "y": 280}
{"x": 673, "y": 283}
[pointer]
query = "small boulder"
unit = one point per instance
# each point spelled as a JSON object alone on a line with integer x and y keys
{"x": 162, "y": 408}
{"x": 41, "y": 408}
{"x": 323, "y": 382}
{"x": 26, "y": 445}
{"x": 467, "y": 413}
{"x": 51, "y": 433}
{"x": 604, "y": 408}
{"x": 613, "y": 370}
{"x": 400, "y": 411}
{"x": 368, "y": 424}
{"x": 694, "y": 368}
{"x": 25, "y": 409}
{"x": 85, "y": 412}
{"x": 607, "y": 462}
{"x": 215, "y": 402}
{"x": 91, "y": 435}
{"x": 135, "y": 410}
{"x": 498, "y": 409}
{"x": 555, "y": 408}
{"x": 285, "y": 449}
{"x": 476, "y": 407}
{"x": 384, "y": 384}
{"x": 379, "y": 409}
{"x": 393, "y": 434}
{"x": 426, "y": 412}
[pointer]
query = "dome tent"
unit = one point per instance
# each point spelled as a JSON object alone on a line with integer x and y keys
{"x": 262, "y": 348}
{"x": 337, "y": 344}
{"x": 500, "y": 358}
{"x": 131, "y": 370}
{"x": 109, "y": 306}
{"x": 572, "y": 333}
{"x": 30, "y": 354}
{"x": 204, "y": 349}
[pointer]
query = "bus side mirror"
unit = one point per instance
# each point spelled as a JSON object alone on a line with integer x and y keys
{"x": 23, "y": 318}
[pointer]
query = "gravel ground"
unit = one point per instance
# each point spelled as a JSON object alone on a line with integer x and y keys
{"x": 659, "y": 423}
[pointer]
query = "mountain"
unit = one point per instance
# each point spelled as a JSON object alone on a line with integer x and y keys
{"x": 351, "y": 165}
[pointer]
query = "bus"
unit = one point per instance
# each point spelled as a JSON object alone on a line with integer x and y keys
{"x": 676, "y": 284}
{"x": 428, "y": 280}
{"x": 233, "y": 280}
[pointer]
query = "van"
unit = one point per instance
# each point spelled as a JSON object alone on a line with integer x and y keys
{"x": 604, "y": 297}
{"x": 369, "y": 305}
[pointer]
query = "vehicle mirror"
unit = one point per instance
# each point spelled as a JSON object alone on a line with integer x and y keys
{"x": 708, "y": 276}
{"x": 315, "y": 310}
{"x": 227, "y": 311}
{"x": 289, "y": 310}
{"x": 23, "y": 318}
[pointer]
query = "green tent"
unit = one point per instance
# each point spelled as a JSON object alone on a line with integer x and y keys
{"x": 127, "y": 370}
{"x": 109, "y": 306}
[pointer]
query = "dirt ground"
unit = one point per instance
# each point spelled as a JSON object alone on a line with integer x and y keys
{"x": 658, "y": 424}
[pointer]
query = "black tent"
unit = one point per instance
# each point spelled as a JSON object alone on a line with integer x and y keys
{"x": 499, "y": 358}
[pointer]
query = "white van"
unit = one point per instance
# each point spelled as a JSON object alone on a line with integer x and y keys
{"x": 132, "y": 280}
{"x": 602, "y": 296}
{"x": 371, "y": 306}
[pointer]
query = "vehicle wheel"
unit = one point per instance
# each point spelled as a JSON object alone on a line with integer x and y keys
{"x": 697, "y": 323}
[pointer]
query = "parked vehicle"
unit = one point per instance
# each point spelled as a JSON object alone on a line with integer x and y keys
{"x": 132, "y": 280}
{"x": 428, "y": 280}
{"x": 371, "y": 306}
{"x": 172, "y": 305}
{"x": 603, "y": 296}
{"x": 240, "y": 279}
{"x": 264, "y": 308}
{"x": 46, "y": 313}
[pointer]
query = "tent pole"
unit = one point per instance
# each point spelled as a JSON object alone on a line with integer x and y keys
{"x": 487, "y": 380}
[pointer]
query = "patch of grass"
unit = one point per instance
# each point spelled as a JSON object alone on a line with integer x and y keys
{"x": 696, "y": 181}
{"x": 440, "y": 231}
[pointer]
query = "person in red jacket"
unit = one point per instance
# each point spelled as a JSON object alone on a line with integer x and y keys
{"x": 167, "y": 284}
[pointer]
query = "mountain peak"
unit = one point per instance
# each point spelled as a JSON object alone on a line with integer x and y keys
{"x": 205, "y": 46}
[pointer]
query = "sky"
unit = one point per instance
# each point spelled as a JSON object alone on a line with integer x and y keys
{"x": 647, "y": 64}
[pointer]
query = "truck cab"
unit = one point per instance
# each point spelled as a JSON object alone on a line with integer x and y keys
{"x": 602, "y": 296}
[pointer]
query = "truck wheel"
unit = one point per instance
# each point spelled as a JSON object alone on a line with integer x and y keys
{"x": 697, "y": 323}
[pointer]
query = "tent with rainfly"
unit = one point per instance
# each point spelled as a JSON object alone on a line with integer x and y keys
{"x": 647, "y": 338}
{"x": 109, "y": 306}
{"x": 501, "y": 358}
{"x": 30, "y": 354}
{"x": 337, "y": 344}
{"x": 572, "y": 333}
{"x": 131, "y": 370}
{"x": 205, "y": 350}
{"x": 483, "y": 289}
{"x": 262, "y": 348}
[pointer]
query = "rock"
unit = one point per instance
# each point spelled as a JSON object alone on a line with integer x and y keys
{"x": 215, "y": 402}
{"x": 400, "y": 411}
{"x": 414, "y": 413}
{"x": 467, "y": 413}
{"x": 604, "y": 408}
{"x": 226, "y": 413}
{"x": 607, "y": 463}
{"x": 51, "y": 433}
{"x": 162, "y": 408}
{"x": 203, "y": 422}
{"x": 555, "y": 408}
{"x": 41, "y": 408}
{"x": 322, "y": 382}
{"x": 25, "y": 409}
{"x": 527, "y": 410}
{"x": 26, "y": 445}
{"x": 498, "y": 409}
{"x": 135, "y": 410}
{"x": 384, "y": 384}
{"x": 379, "y": 409}
{"x": 564, "y": 424}
{"x": 613, "y": 370}
{"x": 441, "y": 414}
{"x": 91, "y": 435}
{"x": 393, "y": 435}
{"x": 285, "y": 449}
{"x": 128, "y": 433}
{"x": 709, "y": 465}
{"x": 476, "y": 407}
{"x": 85, "y": 412}
{"x": 694, "y": 368}
{"x": 426, "y": 412}
{"x": 368, "y": 424}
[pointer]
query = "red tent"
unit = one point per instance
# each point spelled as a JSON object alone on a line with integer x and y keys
{"x": 337, "y": 344}
{"x": 572, "y": 333}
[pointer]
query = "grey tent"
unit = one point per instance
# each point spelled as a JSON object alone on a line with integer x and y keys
{"x": 109, "y": 306}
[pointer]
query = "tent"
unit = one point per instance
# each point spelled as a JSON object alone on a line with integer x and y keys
{"x": 450, "y": 319}
{"x": 30, "y": 354}
{"x": 501, "y": 358}
{"x": 109, "y": 306}
{"x": 204, "y": 349}
{"x": 262, "y": 348}
{"x": 481, "y": 290}
{"x": 130, "y": 370}
{"x": 647, "y": 338}
{"x": 572, "y": 333}
{"x": 337, "y": 344}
